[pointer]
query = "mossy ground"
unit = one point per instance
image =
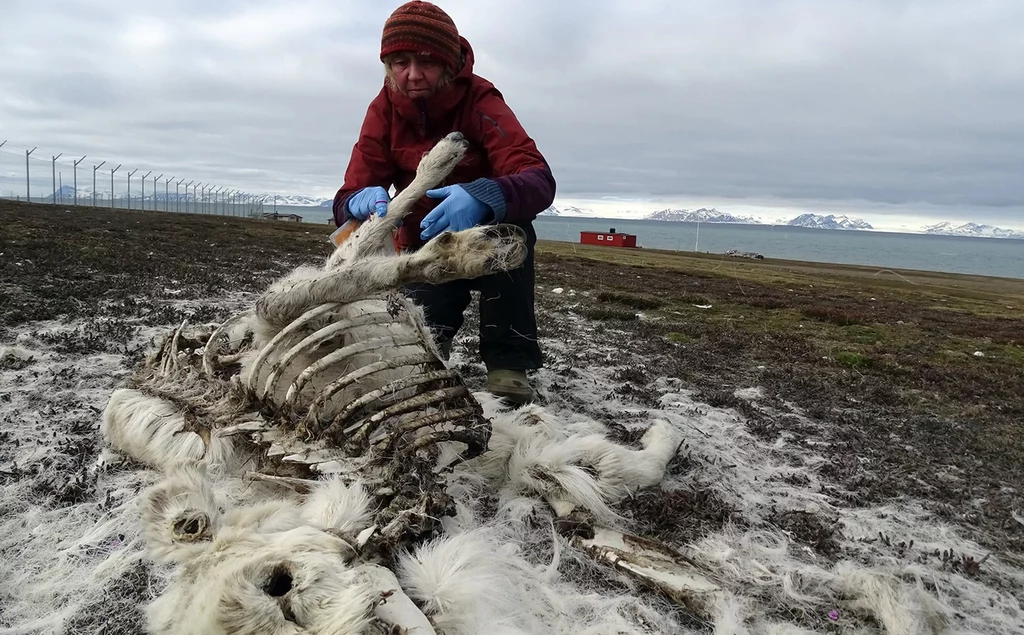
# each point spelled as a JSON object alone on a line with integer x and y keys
{"x": 921, "y": 373}
{"x": 878, "y": 364}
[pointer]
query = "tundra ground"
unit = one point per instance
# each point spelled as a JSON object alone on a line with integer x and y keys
{"x": 906, "y": 388}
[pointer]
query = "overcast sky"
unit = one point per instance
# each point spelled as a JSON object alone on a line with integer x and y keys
{"x": 888, "y": 109}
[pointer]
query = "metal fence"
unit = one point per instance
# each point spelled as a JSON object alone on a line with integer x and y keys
{"x": 26, "y": 174}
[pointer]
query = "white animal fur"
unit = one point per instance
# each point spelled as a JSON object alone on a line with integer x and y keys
{"x": 185, "y": 526}
{"x": 229, "y": 557}
{"x": 153, "y": 431}
{"x": 472, "y": 580}
{"x": 531, "y": 452}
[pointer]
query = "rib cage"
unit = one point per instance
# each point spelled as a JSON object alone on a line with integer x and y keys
{"x": 334, "y": 371}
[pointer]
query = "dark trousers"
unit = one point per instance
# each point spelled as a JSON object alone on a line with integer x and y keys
{"x": 508, "y": 324}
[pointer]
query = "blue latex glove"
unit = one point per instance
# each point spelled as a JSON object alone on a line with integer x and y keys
{"x": 367, "y": 200}
{"x": 457, "y": 211}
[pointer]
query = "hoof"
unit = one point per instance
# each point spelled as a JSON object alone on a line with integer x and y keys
{"x": 192, "y": 526}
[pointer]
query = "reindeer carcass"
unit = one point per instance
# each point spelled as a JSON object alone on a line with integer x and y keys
{"x": 331, "y": 390}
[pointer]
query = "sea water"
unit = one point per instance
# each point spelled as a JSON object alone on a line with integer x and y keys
{"x": 954, "y": 254}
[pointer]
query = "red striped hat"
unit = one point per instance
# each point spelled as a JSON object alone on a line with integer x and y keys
{"x": 422, "y": 27}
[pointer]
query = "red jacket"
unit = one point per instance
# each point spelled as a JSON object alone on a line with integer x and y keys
{"x": 398, "y": 131}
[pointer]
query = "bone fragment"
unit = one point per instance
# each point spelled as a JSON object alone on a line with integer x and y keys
{"x": 655, "y": 564}
{"x": 394, "y": 607}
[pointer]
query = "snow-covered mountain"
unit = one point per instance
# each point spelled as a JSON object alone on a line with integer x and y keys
{"x": 583, "y": 212}
{"x": 702, "y": 215}
{"x": 302, "y": 201}
{"x": 976, "y": 230}
{"x": 569, "y": 210}
{"x": 817, "y": 221}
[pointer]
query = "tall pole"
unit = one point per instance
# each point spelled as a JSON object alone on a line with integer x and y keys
{"x": 144, "y": 189}
{"x": 167, "y": 196}
{"x": 195, "y": 199}
{"x": 94, "y": 168}
{"x": 2, "y": 143}
{"x": 112, "y": 184}
{"x": 130, "y": 187}
{"x": 53, "y": 166}
{"x": 76, "y": 179}
{"x": 187, "y": 185}
{"x": 155, "y": 179}
{"x": 177, "y": 196}
{"x": 28, "y": 189}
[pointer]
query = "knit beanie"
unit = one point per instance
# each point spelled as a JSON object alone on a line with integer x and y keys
{"x": 422, "y": 27}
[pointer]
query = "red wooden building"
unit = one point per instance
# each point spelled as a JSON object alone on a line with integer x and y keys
{"x": 609, "y": 239}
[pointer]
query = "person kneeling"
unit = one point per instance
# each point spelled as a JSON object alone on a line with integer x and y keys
{"x": 431, "y": 89}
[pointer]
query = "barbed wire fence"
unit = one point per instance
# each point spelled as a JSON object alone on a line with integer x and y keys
{"x": 28, "y": 174}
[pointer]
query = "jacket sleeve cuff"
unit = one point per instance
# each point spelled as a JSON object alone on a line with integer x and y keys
{"x": 488, "y": 191}
{"x": 340, "y": 208}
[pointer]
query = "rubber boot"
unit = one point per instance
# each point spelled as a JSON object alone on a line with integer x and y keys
{"x": 512, "y": 385}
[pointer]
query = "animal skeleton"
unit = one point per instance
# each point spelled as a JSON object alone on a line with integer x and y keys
{"x": 332, "y": 388}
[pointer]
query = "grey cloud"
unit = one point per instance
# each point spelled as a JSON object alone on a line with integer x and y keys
{"x": 878, "y": 103}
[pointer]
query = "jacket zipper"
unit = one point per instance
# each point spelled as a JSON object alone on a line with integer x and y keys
{"x": 423, "y": 118}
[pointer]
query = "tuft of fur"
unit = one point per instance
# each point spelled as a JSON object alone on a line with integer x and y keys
{"x": 532, "y": 452}
{"x": 334, "y": 505}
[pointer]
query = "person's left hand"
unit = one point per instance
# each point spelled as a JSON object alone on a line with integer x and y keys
{"x": 457, "y": 211}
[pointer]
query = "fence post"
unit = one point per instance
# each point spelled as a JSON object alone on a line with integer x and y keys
{"x": 112, "y": 185}
{"x": 167, "y": 196}
{"x": 130, "y": 188}
{"x": 94, "y": 168}
{"x": 155, "y": 179}
{"x": 142, "y": 204}
{"x": 53, "y": 165}
{"x": 76, "y": 179}
{"x": 28, "y": 189}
